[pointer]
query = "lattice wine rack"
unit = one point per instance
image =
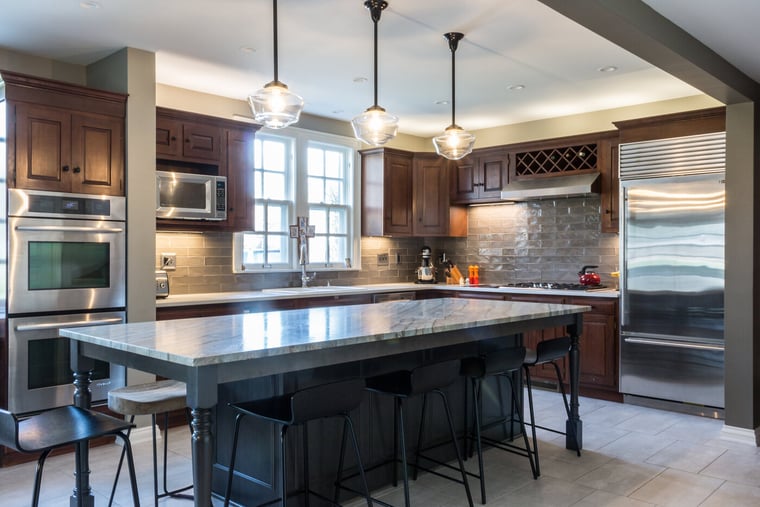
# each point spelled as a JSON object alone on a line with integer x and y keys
{"x": 564, "y": 159}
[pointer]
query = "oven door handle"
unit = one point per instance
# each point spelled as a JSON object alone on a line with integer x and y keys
{"x": 73, "y": 323}
{"x": 60, "y": 228}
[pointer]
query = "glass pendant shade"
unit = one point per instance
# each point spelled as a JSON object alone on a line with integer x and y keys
{"x": 454, "y": 143}
{"x": 274, "y": 106}
{"x": 375, "y": 126}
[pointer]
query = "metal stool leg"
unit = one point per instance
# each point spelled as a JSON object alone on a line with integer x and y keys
{"x": 419, "y": 437}
{"x": 529, "y": 387}
{"x": 477, "y": 387}
{"x": 402, "y": 444}
{"x": 118, "y": 469}
{"x": 231, "y": 472}
{"x": 567, "y": 408}
{"x": 283, "y": 468}
{"x": 521, "y": 422}
{"x": 454, "y": 442}
{"x": 38, "y": 478}
{"x": 131, "y": 467}
{"x": 306, "y": 486}
{"x": 350, "y": 425}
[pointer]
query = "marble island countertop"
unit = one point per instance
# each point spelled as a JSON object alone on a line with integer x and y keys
{"x": 226, "y": 339}
{"x": 342, "y": 290}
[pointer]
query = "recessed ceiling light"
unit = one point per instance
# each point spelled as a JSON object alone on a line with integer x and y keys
{"x": 247, "y": 49}
{"x": 607, "y": 68}
{"x": 443, "y": 102}
{"x": 89, "y": 4}
{"x": 516, "y": 87}
{"x": 360, "y": 79}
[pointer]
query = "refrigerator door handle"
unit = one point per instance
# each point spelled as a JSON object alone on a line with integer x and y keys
{"x": 673, "y": 343}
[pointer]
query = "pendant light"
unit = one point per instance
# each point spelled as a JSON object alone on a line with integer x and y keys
{"x": 375, "y": 126}
{"x": 274, "y": 106}
{"x": 455, "y": 142}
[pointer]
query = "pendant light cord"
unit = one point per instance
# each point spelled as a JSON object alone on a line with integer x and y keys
{"x": 375, "y": 10}
{"x": 453, "y": 38}
{"x": 274, "y": 31}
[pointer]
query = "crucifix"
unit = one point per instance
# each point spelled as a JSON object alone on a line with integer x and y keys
{"x": 302, "y": 231}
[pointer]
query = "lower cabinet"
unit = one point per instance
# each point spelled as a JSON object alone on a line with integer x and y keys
{"x": 598, "y": 345}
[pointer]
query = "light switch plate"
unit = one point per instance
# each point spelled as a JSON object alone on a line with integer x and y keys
{"x": 382, "y": 259}
{"x": 168, "y": 261}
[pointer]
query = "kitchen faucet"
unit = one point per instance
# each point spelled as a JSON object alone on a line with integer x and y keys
{"x": 302, "y": 232}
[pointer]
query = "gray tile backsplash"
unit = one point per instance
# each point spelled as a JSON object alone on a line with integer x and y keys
{"x": 546, "y": 240}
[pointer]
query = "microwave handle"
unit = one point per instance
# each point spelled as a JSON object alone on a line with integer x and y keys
{"x": 74, "y": 323}
{"x": 59, "y": 228}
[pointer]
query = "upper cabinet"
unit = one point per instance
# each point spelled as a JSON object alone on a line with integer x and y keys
{"x": 63, "y": 137}
{"x": 480, "y": 176}
{"x": 189, "y": 142}
{"x": 407, "y": 194}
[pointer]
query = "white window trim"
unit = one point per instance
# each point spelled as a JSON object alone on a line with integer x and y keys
{"x": 300, "y": 138}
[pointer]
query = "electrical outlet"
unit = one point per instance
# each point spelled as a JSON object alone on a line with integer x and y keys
{"x": 168, "y": 261}
{"x": 382, "y": 259}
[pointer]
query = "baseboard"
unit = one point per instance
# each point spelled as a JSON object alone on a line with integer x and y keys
{"x": 741, "y": 435}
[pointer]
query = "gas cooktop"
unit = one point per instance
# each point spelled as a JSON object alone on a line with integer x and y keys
{"x": 551, "y": 285}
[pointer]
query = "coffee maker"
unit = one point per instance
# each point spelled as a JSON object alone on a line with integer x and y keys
{"x": 426, "y": 272}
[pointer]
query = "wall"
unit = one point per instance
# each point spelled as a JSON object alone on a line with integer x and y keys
{"x": 545, "y": 240}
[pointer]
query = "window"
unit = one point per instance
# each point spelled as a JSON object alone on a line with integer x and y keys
{"x": 301, "y": 174}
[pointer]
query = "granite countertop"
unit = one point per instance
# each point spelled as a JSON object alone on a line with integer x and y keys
{"x": 344, "y": 290}
{"x": 225, "y": 339}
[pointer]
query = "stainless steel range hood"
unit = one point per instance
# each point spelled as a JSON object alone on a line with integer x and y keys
{"x": 551, "y": 187}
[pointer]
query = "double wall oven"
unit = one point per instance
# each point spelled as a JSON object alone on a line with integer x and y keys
{"x": 66, "y": 268}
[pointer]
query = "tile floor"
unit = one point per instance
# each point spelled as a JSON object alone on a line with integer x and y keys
{"x": 633, "y": 456}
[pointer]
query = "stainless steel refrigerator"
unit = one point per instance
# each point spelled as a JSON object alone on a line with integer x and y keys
{"x": 672, "y": 269}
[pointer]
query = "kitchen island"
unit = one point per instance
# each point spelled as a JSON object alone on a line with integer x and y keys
{"x": 208, "y": 352}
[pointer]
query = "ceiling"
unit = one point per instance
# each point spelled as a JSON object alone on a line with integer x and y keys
{"x": 224, "y": 47}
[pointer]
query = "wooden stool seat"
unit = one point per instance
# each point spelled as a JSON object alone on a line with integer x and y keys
{"x": 148, "y": 399}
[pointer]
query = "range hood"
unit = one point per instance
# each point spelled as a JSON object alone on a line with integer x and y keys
{"x": 551, "y": 187}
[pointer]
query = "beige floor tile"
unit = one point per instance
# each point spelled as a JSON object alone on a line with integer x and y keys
{"x": 619, "y": 477}
{"x": 636, "y": 447}
{"x": 735, "y": 495}
{"x": 686, "y": 456}
{"x": 545, "y": 492}
{"x": 739, "y": 467}
{"x": 604, "y": 499}
{"x": 674, "y": 488}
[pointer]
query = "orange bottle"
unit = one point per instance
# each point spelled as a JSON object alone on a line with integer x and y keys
{"x": 475, "y": 279}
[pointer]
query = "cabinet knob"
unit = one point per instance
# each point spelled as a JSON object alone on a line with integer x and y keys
{"x": 607, "y": 212}
{"x": 65, "y": 168}
{"x": 173, "y": 138}
{"x": 77, "y": 170}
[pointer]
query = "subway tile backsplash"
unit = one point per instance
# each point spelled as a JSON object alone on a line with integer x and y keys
{"x": 547, "y": 240}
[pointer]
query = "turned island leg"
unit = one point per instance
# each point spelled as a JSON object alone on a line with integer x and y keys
{"x": 82, "y": 367}
{"x": 575, "y": 419}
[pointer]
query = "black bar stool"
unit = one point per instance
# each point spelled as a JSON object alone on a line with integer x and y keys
{"x": 548, "y": 352}
{"x": 335, "y": 399}
{"x": 501, "y": 364}
{"x": 422, "y": 380}
{"x": 59, "y": 427}
{"x": 151, "y": 399}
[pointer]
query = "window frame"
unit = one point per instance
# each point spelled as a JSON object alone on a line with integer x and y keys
{"x": 300, "y": 140}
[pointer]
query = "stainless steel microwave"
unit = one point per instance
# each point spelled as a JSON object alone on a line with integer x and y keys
{"x": 190, "y": 196}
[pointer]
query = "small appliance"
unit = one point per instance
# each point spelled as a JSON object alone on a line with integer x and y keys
{"x": 587, "y": 277}
{"x": 190, "y": 196}
{"x": 426, "y": 271}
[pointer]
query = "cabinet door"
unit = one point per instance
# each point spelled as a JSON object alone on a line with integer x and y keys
{"x": 464, "y": 179}
{"x": 493, "y": 169}
{"x": 599, "y": 343}
{"x": 168, "y": 133}
{"x": 43, "y": 148}
{"x": 398, "y": 194}
{"x": 201, "y": 141}
{"x": 239, "y": 167}
{"x": 97, "y": 154}
{"x": 608, "y": 163}
{"x": 431, "y": 197}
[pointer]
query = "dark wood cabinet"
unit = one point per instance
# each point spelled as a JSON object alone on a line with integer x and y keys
{"x": 64, "y": 138}
{"x": 479, "y": 177}
{"x": 184, "y": 140}
{"x": 407, "y": 194}
{"x": 188, "y": 142}
{"x": 610, "y": 183}
{"x": 598, "y": 346}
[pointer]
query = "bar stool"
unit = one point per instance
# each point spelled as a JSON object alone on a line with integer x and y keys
{"x": 422, "y": 380}
{"x": 60, "y": 427}
{"x": 151, "y": 399}
{"x": 548, "y": 352}
{"x": 500, "y": 364}
{"x": 335, "y": 399}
